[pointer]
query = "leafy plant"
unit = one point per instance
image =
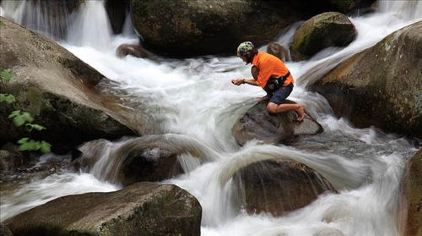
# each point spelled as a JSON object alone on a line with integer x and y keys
{"x": 6, "y": 75}
{"x": 7, "y": 98}
{"x": 27, "y": 144}
{"x": 23, "y": 118}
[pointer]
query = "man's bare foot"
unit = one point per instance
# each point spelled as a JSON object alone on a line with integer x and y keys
{"x": 300, "y": 113}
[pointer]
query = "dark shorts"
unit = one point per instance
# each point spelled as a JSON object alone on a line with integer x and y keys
{"x": 279, "y": 95}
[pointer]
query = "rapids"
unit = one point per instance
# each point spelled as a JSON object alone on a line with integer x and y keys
{"x": 194, "y": 104}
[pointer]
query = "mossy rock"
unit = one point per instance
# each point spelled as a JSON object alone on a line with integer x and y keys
{"x": 330, "y": 29}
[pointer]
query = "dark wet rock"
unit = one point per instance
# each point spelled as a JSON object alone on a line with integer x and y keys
{"x": 60, "y": 91}
{"x": 134, "y": 50}
{"x": 258, "y": 124}
{"x": 346, "y": 6}
{"x": 4, "y": 230}
{"x": 412, "y": 186}
{"x": 279, "y": 187}
{"x": 117, "y": 11}
{"x": 184, "y": 28}
{"x": 278, "y": 50}
{"x": 11, "y": 160}
{"x": 140, "y": 209}
{"x": 380, "y": 86}
{"x": 330, "y": 29}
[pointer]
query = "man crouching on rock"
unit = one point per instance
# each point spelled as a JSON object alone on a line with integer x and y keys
{"x": 272, "y": 75}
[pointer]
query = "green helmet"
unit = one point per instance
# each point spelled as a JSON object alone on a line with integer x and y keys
{"x": 245, "y": 49}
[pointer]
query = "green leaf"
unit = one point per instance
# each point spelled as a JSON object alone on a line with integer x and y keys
{"x": 6, "y": 75}
{"x": 23, "y": 140}
{"x": 26, "y": 144}
{"x": 45, "y": 147}
{"x": 7, "y": 98}
{"x": 31, "y": 127}
{"x": 20, "y": 118}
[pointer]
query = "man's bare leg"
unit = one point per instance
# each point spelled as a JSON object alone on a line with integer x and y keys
{"x": 298, "y": 108}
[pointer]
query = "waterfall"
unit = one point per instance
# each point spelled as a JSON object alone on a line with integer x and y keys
{"x": 196, "y": 107}
{"x": 90, "y": 26}
{"x": 49, "y": 18}
{"x": 404, "y": 9}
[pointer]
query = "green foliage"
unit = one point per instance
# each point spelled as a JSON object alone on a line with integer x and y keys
{"x": 27, "y": 144}
{"x": 20, "y": 118}
{"x": 7, "y": 98}
{"x": 6, "y": 75}
{"x": 30, "y": 127}
{"x": 23, "y": 118}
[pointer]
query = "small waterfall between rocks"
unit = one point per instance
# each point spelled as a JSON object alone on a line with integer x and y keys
{"x": 196, "y": 107}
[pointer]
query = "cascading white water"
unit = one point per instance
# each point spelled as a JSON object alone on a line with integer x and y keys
{"x": 90, "y": 27}
{"x": 37, "y": 16}
{"x": 194, "y": 97}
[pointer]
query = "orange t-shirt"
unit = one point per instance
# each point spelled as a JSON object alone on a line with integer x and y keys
{"x": 269, "y": 65}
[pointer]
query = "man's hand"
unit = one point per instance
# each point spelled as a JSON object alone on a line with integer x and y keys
{"x": 238, "y": 81}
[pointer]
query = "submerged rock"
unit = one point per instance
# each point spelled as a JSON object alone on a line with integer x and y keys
{"x": 380, "y": 86}
{"x": 412, "y": 184}
{"x": 60, "y": 91}
{"x": 140, "y": 209}
{"x": 148, "y": 158}
{"x": 330, "y": 29}
{"x": 279, "y": 187}
{"x": 257, "y": 123}
{"x": 279, "y": 51}
{"x": 134, "y": 50}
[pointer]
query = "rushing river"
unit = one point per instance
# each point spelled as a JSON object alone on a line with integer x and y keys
{"x": 193, "y": 101}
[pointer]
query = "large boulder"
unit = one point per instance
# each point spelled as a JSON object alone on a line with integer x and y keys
{"x": 60, "y": 91}
{"x": 279, "y": 187}
{"x": 183, "y": 28}
{"x": 330, "y": 29}
{"x": 140, "y": 209}
{"x": 257, "y": 123}
{"x": 382, "y": 85}
{"x": 195, "y": 27}
{"x": 412, "y": 183}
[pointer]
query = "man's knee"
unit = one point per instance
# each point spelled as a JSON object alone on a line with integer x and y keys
{"x": 272, "y": 107}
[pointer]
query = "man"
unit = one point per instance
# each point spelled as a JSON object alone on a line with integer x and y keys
{"x": 272, "y": 75}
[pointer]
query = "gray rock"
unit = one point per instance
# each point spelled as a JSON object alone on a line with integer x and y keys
{"x": 140, "y": 209}
{"x": 330, "y": 29}
{"x": 380, "y": 86}
{"x": 257, "y": 123}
